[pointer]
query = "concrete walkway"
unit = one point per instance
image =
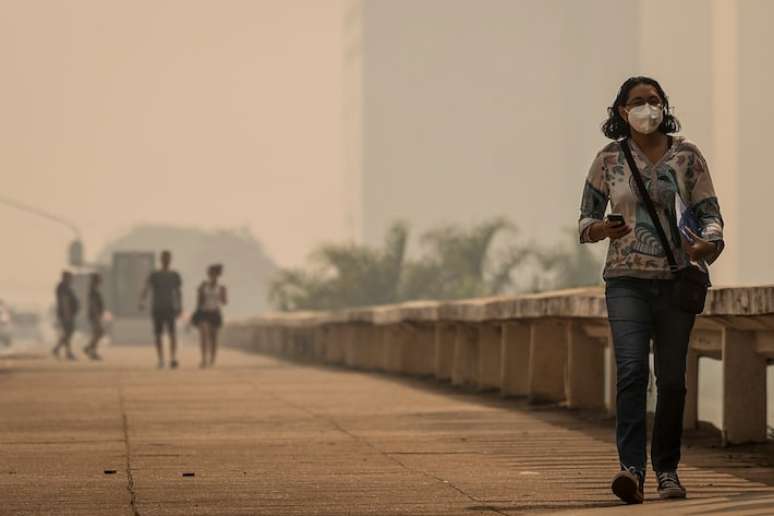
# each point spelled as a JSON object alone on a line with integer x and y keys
{"x": 266, "y": 437}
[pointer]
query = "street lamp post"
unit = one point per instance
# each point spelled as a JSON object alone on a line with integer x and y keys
{"x": 75, "y": 251}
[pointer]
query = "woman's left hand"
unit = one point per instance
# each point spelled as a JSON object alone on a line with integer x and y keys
{"x": 699, "y": 248}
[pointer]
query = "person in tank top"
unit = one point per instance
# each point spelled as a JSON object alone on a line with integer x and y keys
{"x": 208, "y": 318}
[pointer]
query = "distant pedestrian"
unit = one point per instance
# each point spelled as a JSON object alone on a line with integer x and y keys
{"x": 165, "y": 286}
{"x": 656, "y": 271}
{"x": 66, "y": 310}
{"x": 208, "y": 317}
{"x": 96, "y": 312}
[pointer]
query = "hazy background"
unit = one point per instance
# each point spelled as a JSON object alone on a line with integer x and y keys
{"x": 308, "y": 121}
{"x": 286, "y": 123}
{"x": 196, "y": 113}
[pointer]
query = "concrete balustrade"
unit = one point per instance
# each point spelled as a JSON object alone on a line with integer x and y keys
{"x": 548, "y": 347}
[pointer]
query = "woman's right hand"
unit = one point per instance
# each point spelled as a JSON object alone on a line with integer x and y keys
{"x": 615, "y": 230}
{"x": 611, "y": 230}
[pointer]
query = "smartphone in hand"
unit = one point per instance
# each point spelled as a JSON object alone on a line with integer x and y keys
{"x": 615, "y": 219}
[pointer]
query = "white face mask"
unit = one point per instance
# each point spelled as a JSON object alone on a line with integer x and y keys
{"x": 646, "y": 118}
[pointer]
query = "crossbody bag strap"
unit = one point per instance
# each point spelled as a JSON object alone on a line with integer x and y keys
{"x": 649, "y": 204}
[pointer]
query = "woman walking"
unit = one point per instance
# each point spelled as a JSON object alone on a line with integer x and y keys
{"x": 208, "y": 317}
{"x": 655, "y": 271}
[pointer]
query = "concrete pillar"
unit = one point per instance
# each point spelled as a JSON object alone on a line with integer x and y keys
{"x": 308, "y": 343}
{"x": 393, "y": 348}
{"x": 255, "y": 340}
{"x": 296, "y": 343}
{"x": 348, "y": 340}
{"x": 465, "y": 355}
{"x": 288, "y": 341}
{"x": 273, "y": 340}
{"x": 373, "y": 343}
{"x": 284, "y": 340}
{"x": 301, "y": 343}
{"x": 369, "y": 347}
{"x": 585, "y": 382}
{"x": 419, "y": 350}
{"x": 320, "y": 340}
{"x": 248, "y": 337}
{"x": 278, "y": 340}
{"x": 379, "y": 337}
{"x": 489, "y": 356}
{"x": 691, "y": 414}
{"x": 445, "y": 335}
{"x": 232, "y": 336}
{"x": 514, "y": 364}
{"x": 548, "y": 360}
{"x": 335, "y": 353}
{"x": 744, "y": 389}
{"x": 361, "y": 343}
{"x": 261, "y": 343}
{"x": 260, "y": 340}
{"x": 359, "y": 346}
{"x": 253, "y": 344}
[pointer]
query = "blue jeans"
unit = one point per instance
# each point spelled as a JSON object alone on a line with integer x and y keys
{"x": 640, "y": 310}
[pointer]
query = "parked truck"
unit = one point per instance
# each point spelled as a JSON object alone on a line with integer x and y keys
{"x": 125, "y": 280}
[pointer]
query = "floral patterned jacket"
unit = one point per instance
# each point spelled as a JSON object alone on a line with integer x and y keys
{"x": 681, "y": 171}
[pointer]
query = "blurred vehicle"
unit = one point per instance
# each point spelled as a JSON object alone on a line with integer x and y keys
{"x": 6, "y": 325}
{"x": 26, "y": 325}
{"x": 125, "y": 280}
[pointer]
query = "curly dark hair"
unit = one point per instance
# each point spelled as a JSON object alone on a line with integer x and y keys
{"x": 615, "y": 127}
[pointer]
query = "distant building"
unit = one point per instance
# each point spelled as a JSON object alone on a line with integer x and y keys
{"x": 716, "y": 58}
{"x": 455, "y": 110}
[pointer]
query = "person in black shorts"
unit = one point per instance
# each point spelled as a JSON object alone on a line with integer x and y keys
{"x": 96, "y": 312}
{"x": 165, "y": 286}
{"x": 66, "y": 310}
{"x": 211, "y": 296}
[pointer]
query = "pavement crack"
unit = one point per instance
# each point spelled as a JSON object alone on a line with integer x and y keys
{"x": 335, "y": 424}
{"x": 127, "y": 443}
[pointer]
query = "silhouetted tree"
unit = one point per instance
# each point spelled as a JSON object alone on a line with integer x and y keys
{"x": 570, "y": 264}
{"x": 459, "y": 264}
{"x": 344, "y": 275}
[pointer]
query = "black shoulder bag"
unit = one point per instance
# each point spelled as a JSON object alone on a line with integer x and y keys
{"x": 691, "y": 283}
